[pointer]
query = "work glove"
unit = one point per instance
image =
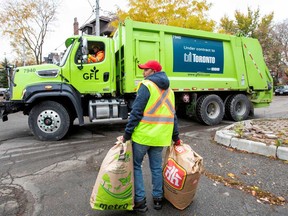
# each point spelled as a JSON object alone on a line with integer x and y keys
{"x": 126, "y": 137}
{"x": 178, "y": 142}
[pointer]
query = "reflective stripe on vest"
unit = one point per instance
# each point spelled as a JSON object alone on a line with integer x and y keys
{"x": 150, "y": 115}
{"x": 156, "y": 126}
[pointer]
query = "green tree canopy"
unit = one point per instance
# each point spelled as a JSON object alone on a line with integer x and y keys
{"x": 3, "y": 74}
{"x": 248, "y": 25}
{"x": 255, "y": 26}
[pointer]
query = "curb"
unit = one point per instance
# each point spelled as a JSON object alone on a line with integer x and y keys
{"x": 229, "y": 138}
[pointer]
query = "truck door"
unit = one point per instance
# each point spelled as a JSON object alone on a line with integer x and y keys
{"x": 146, "y": 49}
{"x": 96, "y": 74}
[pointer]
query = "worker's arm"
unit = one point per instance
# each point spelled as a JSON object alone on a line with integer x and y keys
{"x": 98, "y": 58}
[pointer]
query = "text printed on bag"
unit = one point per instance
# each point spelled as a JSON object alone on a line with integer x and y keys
{"x": 110, "y": 207}
{"x": 179, "y": 149}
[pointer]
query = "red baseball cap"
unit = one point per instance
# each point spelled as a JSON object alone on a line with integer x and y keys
{"x": 152, "y": 64}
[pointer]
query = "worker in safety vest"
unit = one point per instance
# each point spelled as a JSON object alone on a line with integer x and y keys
{"x": 98, "y": 56}
{"x": 152, "y": 125}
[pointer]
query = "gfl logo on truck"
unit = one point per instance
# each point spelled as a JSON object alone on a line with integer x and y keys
{"x": 91, "y": 75}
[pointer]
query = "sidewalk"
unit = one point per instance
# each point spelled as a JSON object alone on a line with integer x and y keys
{"x": 267, "y": 137}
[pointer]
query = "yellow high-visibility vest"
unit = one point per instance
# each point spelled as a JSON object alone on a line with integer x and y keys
{"x": 156, "y": 126}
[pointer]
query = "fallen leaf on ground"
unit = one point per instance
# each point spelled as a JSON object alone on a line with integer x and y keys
{"x": 231, "y": 175}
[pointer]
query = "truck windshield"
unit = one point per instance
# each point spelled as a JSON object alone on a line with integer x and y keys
{"x": 65, "y": 56}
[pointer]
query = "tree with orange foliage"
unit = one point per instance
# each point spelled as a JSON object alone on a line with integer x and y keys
{"x": 182, "y": 13}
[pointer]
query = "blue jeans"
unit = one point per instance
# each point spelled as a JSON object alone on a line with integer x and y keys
{"x": 155, "y": 163}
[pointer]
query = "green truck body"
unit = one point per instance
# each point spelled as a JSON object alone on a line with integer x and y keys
{"x": 212, "y": 75}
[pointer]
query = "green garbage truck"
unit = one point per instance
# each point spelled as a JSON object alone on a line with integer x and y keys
{"x": 213, "y": 76}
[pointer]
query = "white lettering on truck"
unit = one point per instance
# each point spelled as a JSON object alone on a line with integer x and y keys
{"x": 199, "y": 59}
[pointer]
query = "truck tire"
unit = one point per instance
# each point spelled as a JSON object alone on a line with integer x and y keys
{"x": 237, "y": 107}
{"x": 227, "y": 116}
{"x": 210, "y": 109}
{"x": 49, "y": 121}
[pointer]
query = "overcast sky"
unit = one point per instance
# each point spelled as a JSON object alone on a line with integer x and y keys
{"x": 83, "y": 10}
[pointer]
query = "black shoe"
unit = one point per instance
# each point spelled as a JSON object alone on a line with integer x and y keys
{"x": 158, "y": 202}
{"x": 140, "y": 206}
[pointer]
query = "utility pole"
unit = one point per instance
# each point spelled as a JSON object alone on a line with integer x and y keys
{"x": 24, "y": 54}
{"x": 97, "y": 23}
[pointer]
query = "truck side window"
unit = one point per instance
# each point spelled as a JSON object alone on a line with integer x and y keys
{"x": 96, "y": 52}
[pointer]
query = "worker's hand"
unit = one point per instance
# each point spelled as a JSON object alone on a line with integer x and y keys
{"x": 178, "y": 142}
{"x": 121, "y": 139}
{"x": 89, "y": 56}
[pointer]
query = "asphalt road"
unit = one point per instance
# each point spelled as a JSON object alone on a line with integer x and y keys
{"x": 56, "y": 178}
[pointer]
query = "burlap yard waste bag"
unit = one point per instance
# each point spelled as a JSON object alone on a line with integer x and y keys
{"x": 181, "y": 171}
{"x": 114, "y": 186}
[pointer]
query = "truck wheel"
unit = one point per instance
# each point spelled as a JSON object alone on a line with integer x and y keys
{"x": 49, "y": 120}
{"x": 210, "y": 109}
{"x": 237, "y": 107}
{"x": 226, "y": 113}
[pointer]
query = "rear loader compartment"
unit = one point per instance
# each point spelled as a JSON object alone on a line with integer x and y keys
{"x": 194, "y": 60}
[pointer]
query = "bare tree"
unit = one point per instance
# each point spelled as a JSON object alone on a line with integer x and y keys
{"x": 281, "y": 35}
{"x": 279, "y": 50}
{"x": 26, "y": 22}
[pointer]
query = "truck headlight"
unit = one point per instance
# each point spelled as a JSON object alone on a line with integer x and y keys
{"x": 48, "y": 73}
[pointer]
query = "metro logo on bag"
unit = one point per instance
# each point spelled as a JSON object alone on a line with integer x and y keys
{"x": 174, "y": 174}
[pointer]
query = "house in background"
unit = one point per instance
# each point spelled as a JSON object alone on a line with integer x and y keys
{"x": 105, "y": 28}
{"x": 53, "y": 58}
{"x": 88, "y": 29}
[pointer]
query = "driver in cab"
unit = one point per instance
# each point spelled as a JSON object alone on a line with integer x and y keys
{"x": 98, "y": 55}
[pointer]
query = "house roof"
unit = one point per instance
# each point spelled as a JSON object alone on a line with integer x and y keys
{"x": 105, "y": 27}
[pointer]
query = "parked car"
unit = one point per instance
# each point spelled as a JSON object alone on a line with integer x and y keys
{"x": 282, "y": 90}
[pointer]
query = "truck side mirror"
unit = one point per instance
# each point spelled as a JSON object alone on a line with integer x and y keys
{"x": 84, "y": 51}
{"x": 84, "y": 47}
